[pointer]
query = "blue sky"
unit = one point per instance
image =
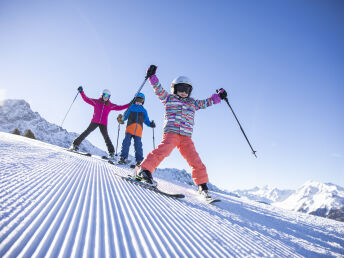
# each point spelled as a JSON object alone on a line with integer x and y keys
{"x": 281, "y": 62}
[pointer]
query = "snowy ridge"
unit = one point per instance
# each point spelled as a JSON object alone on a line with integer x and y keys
{"x": 56, "y": 203}
{"x": 18, "y": 114}
{"x": 266, "y": 194}
{"x": 322, "y": 199}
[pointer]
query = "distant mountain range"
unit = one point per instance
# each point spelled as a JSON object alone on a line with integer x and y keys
{"x": 18, "y": 114}
{"x": 321, "y": 199}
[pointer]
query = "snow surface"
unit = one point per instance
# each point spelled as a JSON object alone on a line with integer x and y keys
{"x": 16, "y": 113}
{"x": 57, "y": 203}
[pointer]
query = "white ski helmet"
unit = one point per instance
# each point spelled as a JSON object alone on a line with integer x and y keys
{"x": 106, "y": 91}
{"x": 180, "y": 80}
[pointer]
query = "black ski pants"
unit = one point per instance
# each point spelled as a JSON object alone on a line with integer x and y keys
{"x": 103, "y": 130}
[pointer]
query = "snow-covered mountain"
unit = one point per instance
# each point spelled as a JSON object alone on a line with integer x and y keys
{"x": 321, "y": 199}
{"x": 18, "y": 114}
{"x": 54, "y": 203}
{"x": 266, "y": 194}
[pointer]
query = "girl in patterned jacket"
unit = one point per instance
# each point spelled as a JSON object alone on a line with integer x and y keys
{"x": 180, "y": 109}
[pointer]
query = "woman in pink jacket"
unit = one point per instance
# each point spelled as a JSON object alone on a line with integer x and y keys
{"x": 102, "y": 108}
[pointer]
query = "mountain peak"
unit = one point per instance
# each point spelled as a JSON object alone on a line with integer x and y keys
{"x": 16, "y": 113}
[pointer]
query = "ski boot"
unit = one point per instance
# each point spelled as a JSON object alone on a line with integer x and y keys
{"x": 203, "y": 191}
{"x": 74, "y": 147}
{"x": 111, "y": 156}
{"x": 122, "y": 161}
{"x": 145, "y": 176}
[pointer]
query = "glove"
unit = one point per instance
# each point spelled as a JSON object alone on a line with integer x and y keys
{"x": 80, "y": 89}
{"x": 120, "y": 119}
{"x": 153, "y": 80}
{"x": 222, "y": 93}
{"x": 152, "y": 124}
{"x": 151, "y": 71}
{"x": 216, "y": 98}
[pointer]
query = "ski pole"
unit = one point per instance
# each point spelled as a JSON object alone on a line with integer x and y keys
{"x": 153, "y": 139}
{"x": 138, "y": 91}
{"x": 69, "y": 109}
{"x": 242, "y": 130}
{"x": 119, "y": 127}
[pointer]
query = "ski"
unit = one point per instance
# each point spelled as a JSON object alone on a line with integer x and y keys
{"x": 150, "y": 187}
{"x": 211, "y": 200}
{"x": 81, "y": 153}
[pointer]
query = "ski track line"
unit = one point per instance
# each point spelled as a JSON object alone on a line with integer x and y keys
{"x": 46, "y": 231}
{"x": 245, "y": 242}
{"x": 56, "y": 204}
{"x": 137, "y": 188}
{"x": 183, "y": 226}
{"x": 64, "y": 236}
{"x": 38, "y": 194}
{"x": 250, "y": 240}
{"x": 165, "y": 231}
{"x": 61, "y": 221}
{"x": 30, "y": 187}
{"x": 277, "y": 235}
{"x": 40, "y": 216}
{"x": 154, "y": 230}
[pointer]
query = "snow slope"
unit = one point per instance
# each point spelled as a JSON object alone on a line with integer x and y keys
{"x": 16, "y": 113}
{"x": 56, "y": 203}
{"x": 317, "y": 198}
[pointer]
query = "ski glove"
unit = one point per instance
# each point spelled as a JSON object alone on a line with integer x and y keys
{"x": 153, "y": 80}
{"x": 151, "y": 71}
{"x": 216, "y": 98}
{"x": 222, "y": 93}
{"x": 120, "y": 119}
{"x": 80, "y": 89}
{"x": 152, "y": 124}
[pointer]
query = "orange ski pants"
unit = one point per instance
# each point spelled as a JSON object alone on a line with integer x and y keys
{"x": 186, "y": 147}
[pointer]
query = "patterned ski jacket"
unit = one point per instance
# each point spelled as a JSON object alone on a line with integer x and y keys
{"x": 179, "y": 112}
{"x": 101, "y": 108}
{"x": 136, "y": 115}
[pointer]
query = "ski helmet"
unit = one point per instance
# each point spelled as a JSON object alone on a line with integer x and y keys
{"x": 106, "y": 91}
{"x": 141, "y": 95}
{"x": 180, "y": 80}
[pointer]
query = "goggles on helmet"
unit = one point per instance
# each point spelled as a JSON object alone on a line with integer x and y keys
{"x": 139, "y": 99}
{"x": 182, "y": 87}
{"x": 106, "y": 95}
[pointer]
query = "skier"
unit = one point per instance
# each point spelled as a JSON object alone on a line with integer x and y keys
{"x": 178, "y": 126}
{"x": 136, "y": 116}
{"x": 102, "y": 108}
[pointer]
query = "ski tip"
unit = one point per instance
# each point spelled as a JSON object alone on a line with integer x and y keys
{"x": 212, "y": 201}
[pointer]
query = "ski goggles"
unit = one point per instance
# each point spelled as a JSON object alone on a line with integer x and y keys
{"x": 106, "y": 95}
{"x": 139, "y": 99}
{"x": 182, "y": 87}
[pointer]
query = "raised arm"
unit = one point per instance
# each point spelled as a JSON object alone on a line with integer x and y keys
{"x": 87, "y": 99}
{"x": 118, "y": 107}
{"x": 214, "y": 99}
{"x": 154, "y": 81}
{"x": 158, "y": 89}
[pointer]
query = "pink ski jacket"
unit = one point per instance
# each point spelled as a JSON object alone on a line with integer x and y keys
{"x": 101, "y": 109}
